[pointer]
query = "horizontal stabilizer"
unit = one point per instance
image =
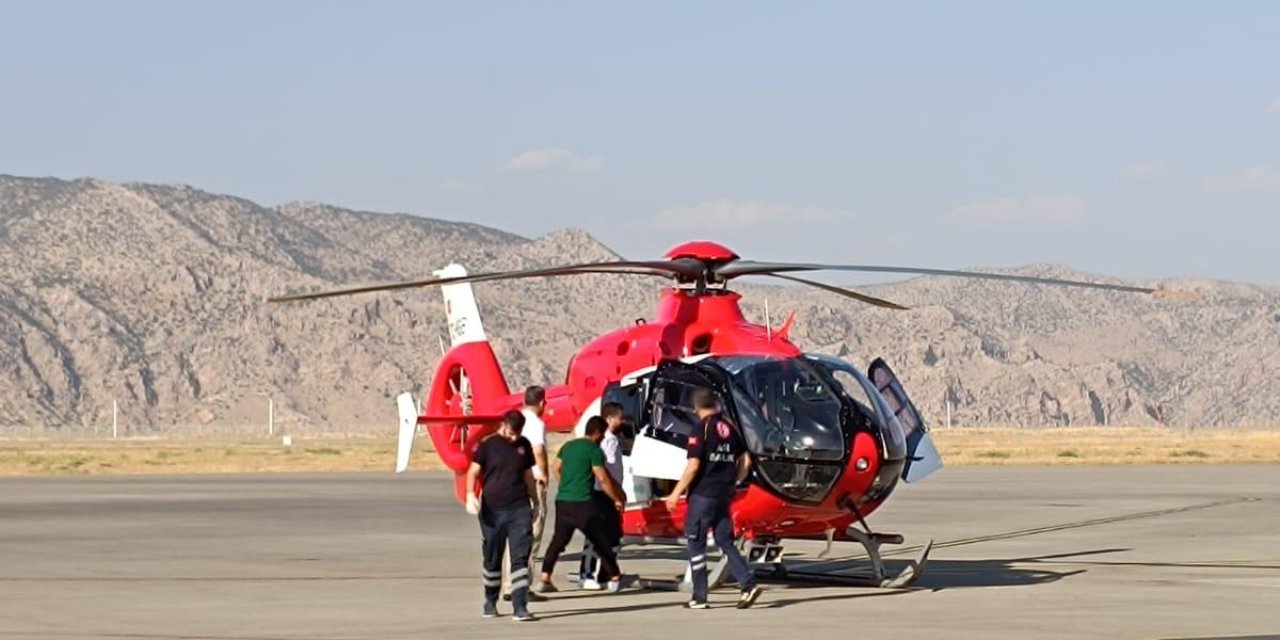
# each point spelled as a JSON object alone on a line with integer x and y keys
{"x": 462, "y": 419}
{"x": 408, "y": 428}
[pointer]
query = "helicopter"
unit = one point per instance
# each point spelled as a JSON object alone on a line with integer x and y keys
{"x": 830, "y": 441}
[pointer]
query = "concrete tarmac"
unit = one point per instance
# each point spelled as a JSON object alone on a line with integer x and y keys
{"x": 1142, "y": 552}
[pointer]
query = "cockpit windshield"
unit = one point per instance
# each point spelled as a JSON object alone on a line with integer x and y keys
{"x": 787, "y": 409}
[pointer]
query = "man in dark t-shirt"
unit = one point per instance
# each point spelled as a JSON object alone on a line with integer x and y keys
{"x": 718, "y": 461}
{"x": 503, "y": 463}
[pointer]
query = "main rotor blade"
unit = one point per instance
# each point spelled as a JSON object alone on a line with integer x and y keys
{"x": 748, "y": 267}
{"x": 684, "y": 268}
{"x": 840, "y": 291}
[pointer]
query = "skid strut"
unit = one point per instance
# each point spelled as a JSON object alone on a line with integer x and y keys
{"x": 871, "y": 542}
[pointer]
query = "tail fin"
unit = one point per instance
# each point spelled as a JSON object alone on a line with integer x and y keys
{"x": 460, "y": 308}
{"x": 408, "y": 414}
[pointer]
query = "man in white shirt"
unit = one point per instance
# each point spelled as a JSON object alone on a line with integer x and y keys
{"x": 589, "y": 567}
{"x": 535, "y": 431}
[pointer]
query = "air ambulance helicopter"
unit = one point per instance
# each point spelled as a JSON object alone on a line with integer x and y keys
{"x": 830, "y": 441}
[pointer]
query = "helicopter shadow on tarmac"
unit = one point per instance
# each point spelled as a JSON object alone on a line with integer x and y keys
{"x": 940, "y": 575}
{"x": 955, "y": 574}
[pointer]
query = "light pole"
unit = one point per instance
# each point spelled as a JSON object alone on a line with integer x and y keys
{"x": 271, "y": 414}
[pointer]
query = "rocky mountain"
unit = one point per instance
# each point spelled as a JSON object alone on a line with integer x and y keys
{"x": 154, "y": 296}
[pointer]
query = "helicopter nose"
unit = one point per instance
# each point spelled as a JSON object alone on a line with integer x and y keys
{"x": 861, "y": 476}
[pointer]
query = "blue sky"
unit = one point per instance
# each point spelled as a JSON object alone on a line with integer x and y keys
{"x": 1139, "y": 139}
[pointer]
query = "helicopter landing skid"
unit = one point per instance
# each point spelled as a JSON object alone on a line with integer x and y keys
{"x": 715, "y": 577}
{"x": 716, "y": 573}
{"x": 765, "y": 557}
{"x": 878, "y": 578}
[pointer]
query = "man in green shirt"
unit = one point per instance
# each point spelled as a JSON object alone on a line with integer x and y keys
{"x": 578, "y": 466}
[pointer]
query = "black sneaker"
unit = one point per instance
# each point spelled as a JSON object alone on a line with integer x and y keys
{"x": 523, "y": 616}
{"x": 490, "y": 610}
{"x": 695, "y": 604}
{"x": 749, "y": 596}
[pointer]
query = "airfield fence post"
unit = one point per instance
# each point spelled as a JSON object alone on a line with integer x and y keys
{"x": 115, "y": 423}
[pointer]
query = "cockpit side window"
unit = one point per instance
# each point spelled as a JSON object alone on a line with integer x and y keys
{"x": 797, "y": 414}
{"x": 859, "y": 391}
{"x": 674, "y": 418}
{"x": 854, "y": 391}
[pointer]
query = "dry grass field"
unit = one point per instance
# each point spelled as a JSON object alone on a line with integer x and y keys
{"x": 247, "y": 455}
{"x": 1106, "y": 445}
{"x": 960, "y": 447}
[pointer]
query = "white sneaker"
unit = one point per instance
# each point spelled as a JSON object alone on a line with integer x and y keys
{"x": 614, "y": 586}
{"x": 591, "y": 585}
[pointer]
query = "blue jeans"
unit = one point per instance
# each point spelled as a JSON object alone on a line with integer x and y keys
{"x": 498, "y": 528}
{"x": 703, "y": 513}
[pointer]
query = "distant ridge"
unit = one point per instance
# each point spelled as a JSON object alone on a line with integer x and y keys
{"x": 154, "y": 295}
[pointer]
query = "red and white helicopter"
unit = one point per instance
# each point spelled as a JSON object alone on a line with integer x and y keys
{"x": 831, "y": 441}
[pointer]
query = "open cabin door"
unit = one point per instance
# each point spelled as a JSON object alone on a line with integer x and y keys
{"x": 631, "y": 393}
{"x": 667, "y": 421}
{"x": 922, "y": 457}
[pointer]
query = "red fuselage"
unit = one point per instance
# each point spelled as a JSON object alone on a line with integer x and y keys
{"x": 687, "y": 324}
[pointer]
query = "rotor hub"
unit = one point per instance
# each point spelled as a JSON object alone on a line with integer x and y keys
{"x": 703, "y": 250}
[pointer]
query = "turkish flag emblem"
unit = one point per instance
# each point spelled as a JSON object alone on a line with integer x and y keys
{"x": 722, "y": 428}
{"x": 693, "y": 440}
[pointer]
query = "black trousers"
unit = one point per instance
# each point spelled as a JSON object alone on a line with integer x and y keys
{"x": 498, "y": 528}
{"x": 590, "y": 566}
{"x": 584, "y": 517}
{"x": 611, "y": 516}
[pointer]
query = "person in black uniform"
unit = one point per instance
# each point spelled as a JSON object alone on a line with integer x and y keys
{"x": 718, "y": 461}
{"x": 503, "y": 463}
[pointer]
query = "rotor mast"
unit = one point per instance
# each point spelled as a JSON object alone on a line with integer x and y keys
{"x": 704, "y": 298}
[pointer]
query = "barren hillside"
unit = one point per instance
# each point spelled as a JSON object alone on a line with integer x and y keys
{"x": 154, "y": 295}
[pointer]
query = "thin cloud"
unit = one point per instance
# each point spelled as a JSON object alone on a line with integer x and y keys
{"x": 724, "y": 214}
{"x": 1253, "y": 179}
{"x": 554, "y": 159}
{"x": 457, "y": 186}
{"x": 1032, "y": 210}
{"x": 1274, "y": 107}
{"x": 1148, "y": 169}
